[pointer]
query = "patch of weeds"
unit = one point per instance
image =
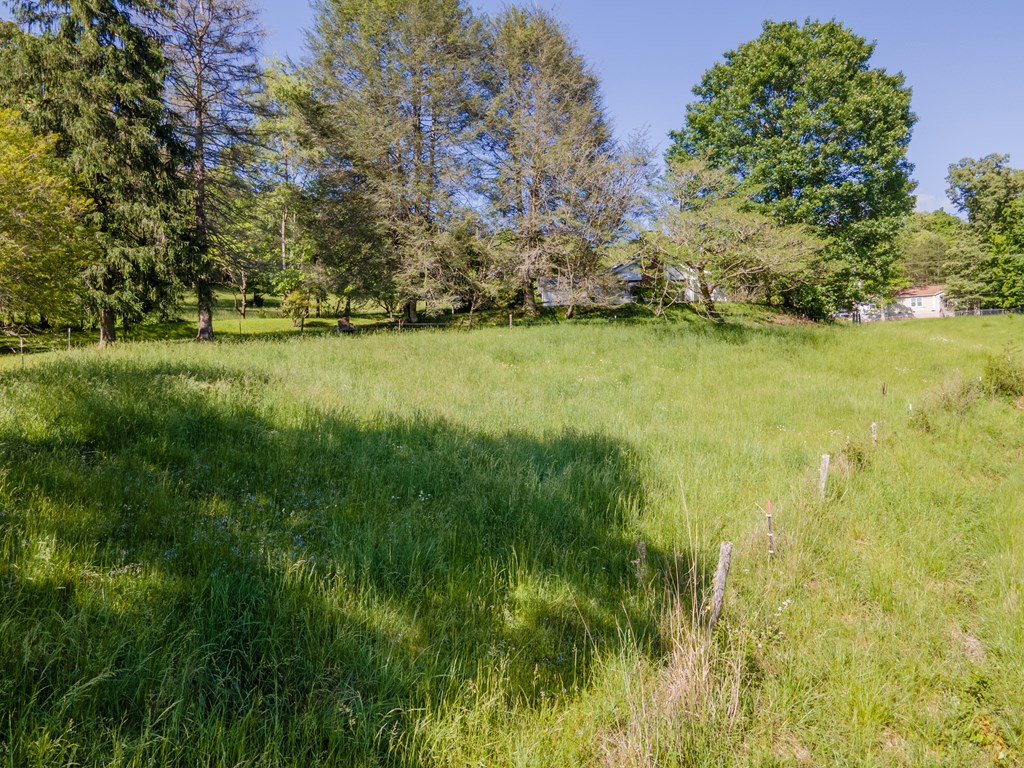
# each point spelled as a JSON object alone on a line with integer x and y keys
{"x": 955, "y": 397}
{"x": 1004, "y": 375}
{"x": 958, "y": 394}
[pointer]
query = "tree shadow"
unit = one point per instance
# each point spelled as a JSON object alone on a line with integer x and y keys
{"x": 209, "y": 567}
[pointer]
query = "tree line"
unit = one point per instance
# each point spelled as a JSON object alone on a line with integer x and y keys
{"x": 424, "y": 157}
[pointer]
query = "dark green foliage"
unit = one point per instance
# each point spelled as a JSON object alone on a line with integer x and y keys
{"x": 989, "y": 272}
{"x": 822, "y": 136}
{"x": 94, "y": 75}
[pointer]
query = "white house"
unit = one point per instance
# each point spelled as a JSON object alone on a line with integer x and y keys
{"x": 620, "y": 284}
{"x": 924, "y": 300}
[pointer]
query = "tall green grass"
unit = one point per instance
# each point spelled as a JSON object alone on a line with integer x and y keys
{"x": 491, "y": 548}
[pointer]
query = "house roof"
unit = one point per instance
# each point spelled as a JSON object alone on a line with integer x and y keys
{"x": 921, "y": 290}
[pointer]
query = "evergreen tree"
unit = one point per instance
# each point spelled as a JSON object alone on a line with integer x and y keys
{"x": 395, "y": 111}
{"x": 558, "y": 183}
{"x": 93, "y": 73}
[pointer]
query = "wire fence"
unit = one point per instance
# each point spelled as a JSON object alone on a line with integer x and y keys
{"x": 968, "y": 312}
{"x": 18, "y": 340}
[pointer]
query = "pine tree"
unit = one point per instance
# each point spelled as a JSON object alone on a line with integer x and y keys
{"x": 559, "y": 184}
{"x": 93, "y": 73}
{"x": 396, "y": 88}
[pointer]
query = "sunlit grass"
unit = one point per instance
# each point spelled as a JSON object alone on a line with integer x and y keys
{"x": 462, "y": 548}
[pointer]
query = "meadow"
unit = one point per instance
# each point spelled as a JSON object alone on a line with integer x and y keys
{"x": 492, "y": 547}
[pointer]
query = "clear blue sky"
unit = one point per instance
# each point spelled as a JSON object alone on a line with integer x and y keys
{"x": 964, "y": 60}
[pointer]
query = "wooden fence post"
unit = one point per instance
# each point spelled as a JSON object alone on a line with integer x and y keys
{"x": 721, "y": 575}
{"x": 823, "y": 475}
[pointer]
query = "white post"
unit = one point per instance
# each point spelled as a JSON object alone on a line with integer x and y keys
{"x": 823, "y": 475}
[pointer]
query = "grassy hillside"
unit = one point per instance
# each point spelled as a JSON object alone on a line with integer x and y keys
{"x": 451, "y": 548}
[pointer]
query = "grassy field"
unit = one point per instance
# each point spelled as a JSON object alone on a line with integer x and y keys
{"x": 490, "y": 548}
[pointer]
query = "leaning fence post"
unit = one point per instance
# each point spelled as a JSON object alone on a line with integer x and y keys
{"x": 721, "y": 575}
{"x": 823, "y": 475}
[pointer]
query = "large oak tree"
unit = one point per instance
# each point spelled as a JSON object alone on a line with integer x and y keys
{"x": 802, "y": 116}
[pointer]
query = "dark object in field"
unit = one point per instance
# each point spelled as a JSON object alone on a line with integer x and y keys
{"x": 344, "y": 326}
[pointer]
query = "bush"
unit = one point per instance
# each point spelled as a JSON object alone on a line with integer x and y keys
{"x": 1004, "y": 375}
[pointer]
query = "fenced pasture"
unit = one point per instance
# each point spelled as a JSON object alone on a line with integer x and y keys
{"x": 493, "y": 548}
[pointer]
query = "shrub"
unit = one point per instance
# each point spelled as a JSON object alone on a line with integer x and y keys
{"x": 1004, "y": 375}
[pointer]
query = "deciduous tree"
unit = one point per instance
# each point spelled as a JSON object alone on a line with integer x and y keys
{"x": 709, "y": 233}
{"x": 397, "y": 95}
{"x": 559, "y": 185}
{"x": 213, "y": 47}
{"x": 821, "y": 135}
{"x": 45, "y": 240}
{"x": 990, "y": 271}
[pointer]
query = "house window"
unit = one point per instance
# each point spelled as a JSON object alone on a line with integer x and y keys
{"x": 917, "y": 301}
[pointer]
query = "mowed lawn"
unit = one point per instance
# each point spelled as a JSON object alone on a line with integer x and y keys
{"x": 492, "y": 548}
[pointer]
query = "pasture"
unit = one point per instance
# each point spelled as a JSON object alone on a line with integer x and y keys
{"x": 491, "y": 548}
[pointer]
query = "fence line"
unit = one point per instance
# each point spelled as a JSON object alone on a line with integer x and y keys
{"x": 967, "y": 312}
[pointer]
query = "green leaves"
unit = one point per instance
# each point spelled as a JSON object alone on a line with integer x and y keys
{"x": 44, "y": 240}
{"x": 94, "y": 75}
{"x": 709, "y": 232}
{"x": 800, "y": 114}
{"x": 989, "y": 273}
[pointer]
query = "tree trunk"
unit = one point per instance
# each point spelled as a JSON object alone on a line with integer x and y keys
{"x": 244, "y": 286}
{"x": 707, "y": 296}
{"x": 108, "y": 333}
{"x": 284, "y": 238}
{"x": 409, "y": 312}
{"x": 348, "y": 307}
{"x": 529, "y": 299}
{"x": 204, "y": 299}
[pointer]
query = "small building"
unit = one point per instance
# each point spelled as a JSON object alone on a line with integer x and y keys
{"x": 924, "y": 301}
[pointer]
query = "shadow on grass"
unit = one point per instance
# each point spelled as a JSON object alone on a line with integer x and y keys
{"x": 190, "y": 567}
